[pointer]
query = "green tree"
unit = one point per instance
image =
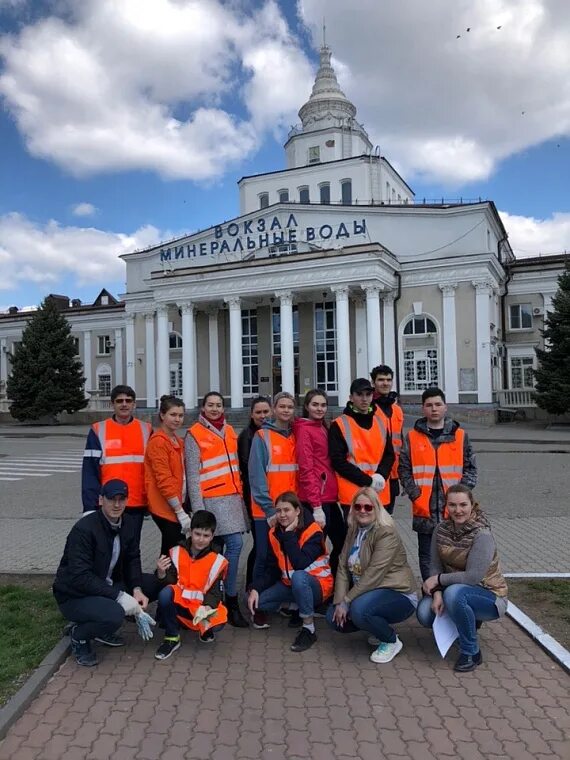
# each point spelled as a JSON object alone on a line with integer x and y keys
{"x": 46, "y": 376}
{"x": 552, "y": 390}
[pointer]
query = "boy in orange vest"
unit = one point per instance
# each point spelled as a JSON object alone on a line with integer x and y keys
{"x": 386, "y": 402}
{"x": 194, "y": 572}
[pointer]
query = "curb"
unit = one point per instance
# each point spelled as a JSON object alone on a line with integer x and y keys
{"x": 552, "y": 647}
{"x": 21, "y": 700}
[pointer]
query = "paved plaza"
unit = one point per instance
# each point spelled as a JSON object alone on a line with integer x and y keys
{"x": 248, "y": 696}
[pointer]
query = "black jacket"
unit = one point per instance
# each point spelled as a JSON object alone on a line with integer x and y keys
{"x": 338, "y": 451}
{"x": 244, "y": 447}
{"x": 87, "y": 556}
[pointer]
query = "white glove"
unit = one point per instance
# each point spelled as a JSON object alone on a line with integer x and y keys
{"x": 203, "y": 613}
{"x": 129, "y": 604}
{"x": 144, "y": 623}
{"x": 184, "y": 520}
{"x": 319, "y": 516}
{"x": 378, "y": 482}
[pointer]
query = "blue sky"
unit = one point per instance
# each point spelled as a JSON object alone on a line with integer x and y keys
{"x": 126, "y": 122}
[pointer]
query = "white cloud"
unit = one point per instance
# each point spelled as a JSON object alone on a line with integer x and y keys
{"x": 446, "y": 109}
{"x": 142, "y": 84}
{"x": 44, "y": 254}
{"x": 83, "y": 209}
{"x": 533, "y": 237}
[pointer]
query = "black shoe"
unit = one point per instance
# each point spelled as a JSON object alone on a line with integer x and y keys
{"x": 82, "y": 651}
{"x": 208, "y": 637}
{"x": 235, "y": 617}
{"x": 168, "y": 647}
{"x": 295, "y": 620}
{"x": 467, "y": 662}
{"x": 111, "y": 640}
{"x": 304, "y": 640}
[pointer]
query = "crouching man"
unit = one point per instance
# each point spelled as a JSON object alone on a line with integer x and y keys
{"x": 194, "y": 572}
{"x": 99, "y": 579}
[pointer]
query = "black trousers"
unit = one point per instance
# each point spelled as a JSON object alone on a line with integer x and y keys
{"x": 394, "y": 491}
{"x": 336, "y": 529}
{"x": 424, "y": 552}
{"x": 170, "y": 531}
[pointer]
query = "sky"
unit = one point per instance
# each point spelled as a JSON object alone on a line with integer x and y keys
{"x": 128, "y": 122}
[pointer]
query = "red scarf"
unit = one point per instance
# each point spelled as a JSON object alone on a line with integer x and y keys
{"x": 218, "y": 424}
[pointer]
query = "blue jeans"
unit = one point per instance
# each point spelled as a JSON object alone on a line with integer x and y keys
{"x": 233, "y": 545}
{"x": 374, "y": 611}
{"x": 304, "y": 590}
{"x": 261, "y": 529}
{"x": 465, "y": 605}
{"x": 168, "y": 612}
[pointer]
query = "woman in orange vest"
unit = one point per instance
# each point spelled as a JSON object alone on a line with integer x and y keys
{"x": 297, "y": 568}
{"x": 164, "y": 474}
{"x": 272, "y": 471}
{"x": 214, "y": 484}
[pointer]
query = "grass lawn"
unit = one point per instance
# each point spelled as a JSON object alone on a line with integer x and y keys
{"x": 547, "y": 602}
{"x": 31, "y": 626}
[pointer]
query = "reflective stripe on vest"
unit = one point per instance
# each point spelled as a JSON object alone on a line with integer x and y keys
{"x": 195, "y": 578}
{"x": 319, "y": 568}
{"x": 219, "y": 466}
{"x": 447, "y": 458}
{"x": 122, "y": 455}
{"x": 394, "y": 426}
{"x": 281, "y": 469}
{"x": 365, "y": 451}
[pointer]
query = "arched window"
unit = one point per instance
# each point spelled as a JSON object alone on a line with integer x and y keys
{"x": 263, "y": 200}
{"x": 420, "y": 353}
{"x": 104, "y": 379}
{"x": 346, "y": 192}
{"x": 325, "y": 191}
{"x": 175, "y": 341}
{"x": 304, "y": 194}
{"x": 283, "y": 196}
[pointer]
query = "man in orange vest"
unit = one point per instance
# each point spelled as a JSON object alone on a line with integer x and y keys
{"x": 435, "y": 455}
{"x": 359, "y": 455}
{"x": 194, "y": 572}
{"x": 386, "y": 402}
{"x": 114, "y": 449}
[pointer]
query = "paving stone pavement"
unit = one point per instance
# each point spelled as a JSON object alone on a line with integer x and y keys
{"x": 248, "y": 696}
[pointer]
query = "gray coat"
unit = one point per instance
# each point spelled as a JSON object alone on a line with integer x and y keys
{"x": 229, "y": 511}
{"x": 437, "y": 498}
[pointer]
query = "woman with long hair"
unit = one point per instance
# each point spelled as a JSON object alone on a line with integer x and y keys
{"x": 296, "y": 568}
{"x": 374, "y": 585}
{"x": 164, "y": 475}
{"x": 465, "y": 578}
{"x": 214, "y": 484}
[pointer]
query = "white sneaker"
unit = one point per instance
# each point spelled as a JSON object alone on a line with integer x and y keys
{"x": 374, "y": 641}
{"x": 386, "y": 651}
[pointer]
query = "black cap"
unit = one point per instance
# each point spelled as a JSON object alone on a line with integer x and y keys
{"x": 360, "y": 385}
{"x": 114, "y": 488}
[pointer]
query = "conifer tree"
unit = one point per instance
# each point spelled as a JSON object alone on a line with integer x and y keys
{"x": 46, "y": 377}
{"x": 552, "y": 390}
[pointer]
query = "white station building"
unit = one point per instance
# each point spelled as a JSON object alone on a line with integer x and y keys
{"x": 331, "y": 268}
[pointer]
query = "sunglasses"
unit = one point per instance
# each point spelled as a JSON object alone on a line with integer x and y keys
{"x": 363, "y": 507}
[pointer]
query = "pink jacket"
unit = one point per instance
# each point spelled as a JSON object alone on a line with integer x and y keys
{"x": 317, "y": 481}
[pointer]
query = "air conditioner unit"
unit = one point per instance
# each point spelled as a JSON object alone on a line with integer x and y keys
{"x": 538, "y": 311}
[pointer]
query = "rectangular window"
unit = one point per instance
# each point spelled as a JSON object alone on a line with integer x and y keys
{"x": 521, "y": 372}
{"x": 325, "y": 347}
{"x": 314, "y": 155}
{"x": 520, "y": 316}
{"x": 346, "y": 192}
{"x": 75, "y": 340}
{"x": 103, "y": 345}
{"x": 283, "y": 196}
{"x": 176, "y": 379}
{"x": 249, "y": 352}
{"x": 104, "y": 384}
{"x": 325, "y": 193}
{"x": 304, "y": 194}
{"x": 263, "y": 200}
{"x": 420, "y": 369}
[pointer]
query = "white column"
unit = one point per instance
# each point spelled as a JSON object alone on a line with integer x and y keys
{"x": 388, "y": 331}
{"x": 150, "y": 359}
{"x": 162, "y": 351}
{"x": 342, "y": 342}
{"x": 373, "y": 326}
{"x": 87, "y": 361}
{"x": 547, "y": 298}
{"x": 483, "y": 332}
{"x": 118, "y": 356}
{"x": 3, "y": 363}
{"x": 450, "y": 373}
{"x": 214, "y": 350}
{"x": 236, "y": 355}
{"x": 287, "y": 349}
{"x": 360, "y": 339}
{"x": 188, "y": 355}
{"x": 130, "y": 349}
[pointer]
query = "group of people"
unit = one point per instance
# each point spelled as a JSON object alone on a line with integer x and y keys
{"x": 318, "y": 498}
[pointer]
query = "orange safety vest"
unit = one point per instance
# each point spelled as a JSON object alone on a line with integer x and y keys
{"x": 394, "y": 426}
{"x": 425, "y": 459}
{"x": 195, "y": 578}
{"x": 281, "y": 467}
{"x": 122, "y": 457}
{"x": 319, "y": 569}
{"x": 365, "y": 450}
{"x": 219, "y": 466}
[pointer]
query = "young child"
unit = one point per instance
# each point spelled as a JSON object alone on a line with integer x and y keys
{"x": 194, "y": 573}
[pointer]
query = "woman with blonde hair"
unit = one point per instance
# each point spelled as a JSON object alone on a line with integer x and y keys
{"x": 374, "y": 585}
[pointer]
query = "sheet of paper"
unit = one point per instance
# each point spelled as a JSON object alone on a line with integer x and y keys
{"x": 445, "y": 632}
